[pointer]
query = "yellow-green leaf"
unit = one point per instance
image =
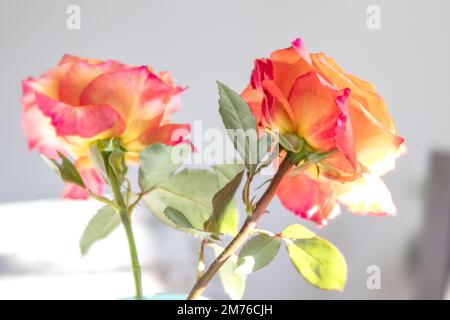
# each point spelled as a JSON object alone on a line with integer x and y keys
{"x": 223, "y": 209}
{"x": 319, "y": 262}
{"x": 257, "y": 253}
{"x": 297, "y": 231}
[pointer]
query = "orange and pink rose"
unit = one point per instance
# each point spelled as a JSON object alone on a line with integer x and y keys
{"x": 81, "y": 101}
{"x": 294, "y": 91}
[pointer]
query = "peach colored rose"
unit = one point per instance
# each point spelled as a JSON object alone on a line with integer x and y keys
{"x": 85, "y": 100}
{"x": 310, "y": 95}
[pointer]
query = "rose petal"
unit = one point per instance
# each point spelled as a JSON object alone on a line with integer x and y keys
{"x": 362, "y": 91}
{"x": 80, "y": 74}
{"x": 344, "y": 132}
{"x": 321, "y": 115}
{"x": 300, "y": 48}
{"x": 377, "y": 148}
{"x": 142, "y": 99}
{"x": 307, "y": 198}
{"x": 86, "y": 121}
{"x": 377, "y": 145}
{"x": 263, "y": 70}
{"x": 367, "y": 195}
{"x": 40, "y": 133}
{"x": 166, "y": 76}
{"x": 276, "y": 111}
{"x": 157, "y": 102}
{"x": 169, "y": 134}
{"x": 47, "y": 84}
{"x": 120, "y": 89}
{"x": 71, "y": 60}
{"x": 288, "y": 64}
{"x": 157, "y": 98}
{"x": 254, "y": 99}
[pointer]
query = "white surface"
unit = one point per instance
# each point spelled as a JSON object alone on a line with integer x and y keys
{"x": 40, "y": 256}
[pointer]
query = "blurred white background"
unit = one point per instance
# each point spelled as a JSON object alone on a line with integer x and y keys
{"x": 202, "y": 41}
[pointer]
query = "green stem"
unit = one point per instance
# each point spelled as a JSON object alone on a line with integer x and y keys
{"x": 133, "y": 253}
{"x": 123, "y": 210}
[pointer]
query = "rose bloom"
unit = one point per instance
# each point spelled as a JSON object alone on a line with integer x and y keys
{"x": 81, "y": 101}
{"x": 310, "y": 95}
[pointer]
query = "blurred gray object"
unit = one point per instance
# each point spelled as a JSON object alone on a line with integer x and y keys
{"x": 434, "y": 266}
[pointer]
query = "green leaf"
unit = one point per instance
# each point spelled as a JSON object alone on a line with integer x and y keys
{"x": 99, "y": 227}
{"x": 67, "y": 171}
{"x": 319, "y": 262}
{"x": 257, "y": 253}
{"x": 190, "y": 192}
{"x": 221, "y": 201}
{"x": 178, "y": 218}
{"x": 158, "y": 163}
{"x": 297, "y": 231}
{"x": 226, "y": 172}
{"x": 181, "y": 222}
{"x": 230, "y": 219}
{"x": 291, "y": 142}
{"x": 241, "y": 125}
{"x": 233, "y": 283}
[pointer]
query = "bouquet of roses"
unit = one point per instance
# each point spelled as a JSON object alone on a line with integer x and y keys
{"x": 326, "y": 133}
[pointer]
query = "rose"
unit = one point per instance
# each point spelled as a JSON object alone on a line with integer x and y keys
{"x": 311, "y": 96}
{"x": 81, "y": 101}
